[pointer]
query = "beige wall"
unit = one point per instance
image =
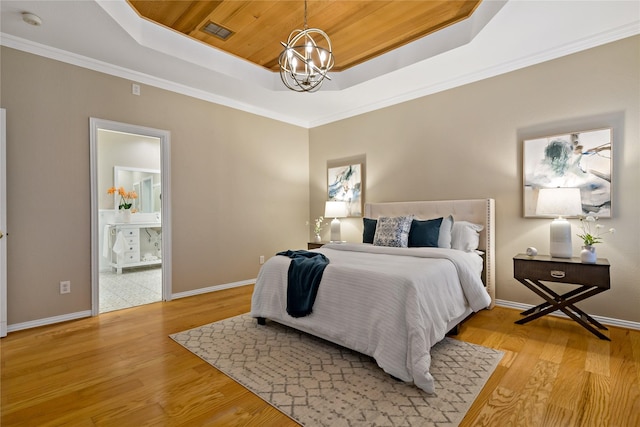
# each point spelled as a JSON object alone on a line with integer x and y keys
{"x": 241, "y": 186}
{"x": 467, "y": 143}
{"x": 239, "y": 182}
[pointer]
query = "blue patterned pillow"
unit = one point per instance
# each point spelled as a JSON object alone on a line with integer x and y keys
{"x": 393, "y": 231}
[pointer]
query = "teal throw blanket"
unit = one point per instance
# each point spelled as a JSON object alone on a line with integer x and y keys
{"x": 304, "y": 275}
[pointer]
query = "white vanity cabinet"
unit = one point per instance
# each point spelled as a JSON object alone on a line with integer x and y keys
{"x": 139, "y": 245}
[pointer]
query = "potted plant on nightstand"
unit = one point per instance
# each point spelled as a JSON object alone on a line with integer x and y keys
{"x": 317, "y": 228}
{"x": 591, "y": 234}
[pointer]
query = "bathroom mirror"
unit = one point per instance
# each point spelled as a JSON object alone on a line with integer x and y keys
{"x": 145, "y": 182}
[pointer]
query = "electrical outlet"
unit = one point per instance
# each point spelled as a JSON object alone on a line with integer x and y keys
{"x": 135, "y": 89}
{"x": 261, "y": 259}
{"x": 65, "y": 287}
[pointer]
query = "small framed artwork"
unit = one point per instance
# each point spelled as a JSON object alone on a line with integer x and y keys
{"x": 574, "y": 160}
{"x": 345, "y": 183}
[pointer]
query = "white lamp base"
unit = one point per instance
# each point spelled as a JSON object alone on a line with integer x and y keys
{"x": 560, "y": 233}
{"x": 335, "y": 230}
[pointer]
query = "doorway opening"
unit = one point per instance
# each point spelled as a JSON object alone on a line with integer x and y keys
{"x": 130, "y": 215}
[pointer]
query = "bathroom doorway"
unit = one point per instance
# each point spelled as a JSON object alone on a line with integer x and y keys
{"x": 130, "y": 215}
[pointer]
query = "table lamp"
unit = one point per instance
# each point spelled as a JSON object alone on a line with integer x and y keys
{"x": 336, "y": 210}
{"x": 561, "y": 202}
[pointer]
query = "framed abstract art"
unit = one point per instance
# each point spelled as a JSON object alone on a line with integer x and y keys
{"x": 345, "y": 183}
{"x": 574, "y": 160}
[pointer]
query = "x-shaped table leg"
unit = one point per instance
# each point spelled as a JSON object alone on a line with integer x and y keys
{"x": 564, "y": 303}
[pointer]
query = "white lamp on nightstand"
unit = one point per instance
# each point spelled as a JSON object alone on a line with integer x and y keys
{"x": 561, "y": 202}
{"x": 335, "y": 210}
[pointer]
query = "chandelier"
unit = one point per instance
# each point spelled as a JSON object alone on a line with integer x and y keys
{"x": 306, "y": 58}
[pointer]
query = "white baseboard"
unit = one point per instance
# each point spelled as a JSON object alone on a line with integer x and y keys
{"x": 48, "y": 321}
{"x": 213, "y": 289}
{"x": 604, "y": 320}
{"x": 82, "y": 314}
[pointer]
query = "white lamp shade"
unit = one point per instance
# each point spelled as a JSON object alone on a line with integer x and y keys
{"x": 333, "y": 209}
{"x": 559, "y": 202}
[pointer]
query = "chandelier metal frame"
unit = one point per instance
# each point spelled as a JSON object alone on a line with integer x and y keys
{"x": 306, "y": 59}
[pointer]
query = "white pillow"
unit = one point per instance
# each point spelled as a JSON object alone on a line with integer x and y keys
{"x": 393, "y": 231}
{"x": 444, "y": 238}
{"x": 465, "y": 236}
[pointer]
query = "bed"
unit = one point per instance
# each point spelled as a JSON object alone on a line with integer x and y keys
{"x": 393, "y": 303}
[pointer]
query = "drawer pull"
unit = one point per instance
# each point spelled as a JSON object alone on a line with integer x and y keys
{"x": 558, "y": 274}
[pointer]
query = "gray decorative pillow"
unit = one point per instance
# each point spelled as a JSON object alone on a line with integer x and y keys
{"x": 465, "y": 236}
{"x": 393, "y": 231}
{"x": 444, "y": 239}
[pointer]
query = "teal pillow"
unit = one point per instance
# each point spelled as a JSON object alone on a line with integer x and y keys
{"x": 369, "y": 230}
{"x": 424, "y": 234}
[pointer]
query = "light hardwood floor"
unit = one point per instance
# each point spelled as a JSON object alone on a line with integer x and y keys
{"x": 122, "y": 369}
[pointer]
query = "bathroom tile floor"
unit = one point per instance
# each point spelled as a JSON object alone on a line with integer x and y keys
{"x": 131, "y": 288}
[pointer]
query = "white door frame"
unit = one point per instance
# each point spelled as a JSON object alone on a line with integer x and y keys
{"x": 165, "y": 169}
{"x": 3, "y": 222}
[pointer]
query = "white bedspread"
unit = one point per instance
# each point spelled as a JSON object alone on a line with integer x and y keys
{"x": 390, "y": 303}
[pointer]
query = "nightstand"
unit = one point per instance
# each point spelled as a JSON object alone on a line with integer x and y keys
{"x": 315, "y": 245}
{"x": 592, "y": 279}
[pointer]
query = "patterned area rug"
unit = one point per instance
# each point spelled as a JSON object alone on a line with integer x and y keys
{"x": 318, "y": 383}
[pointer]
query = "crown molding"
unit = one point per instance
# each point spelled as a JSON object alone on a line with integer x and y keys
{"x": 49, "y": 52}
{"x": 616, "y": 34}
{"x": 433, "y": 87}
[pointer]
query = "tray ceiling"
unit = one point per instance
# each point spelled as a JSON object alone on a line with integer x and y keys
{"x": 359, "y": 30}
{"x": 500, "y": 36}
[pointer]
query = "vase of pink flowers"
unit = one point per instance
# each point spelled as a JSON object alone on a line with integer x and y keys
{"x": 125, "y": 202}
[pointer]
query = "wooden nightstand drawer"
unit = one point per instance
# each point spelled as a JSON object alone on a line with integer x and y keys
{"x": 570, "y": 271}
{"x": 315, "y": 245}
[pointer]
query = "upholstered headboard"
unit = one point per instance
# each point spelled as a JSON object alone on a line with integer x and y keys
{"x": 478, "y": 211}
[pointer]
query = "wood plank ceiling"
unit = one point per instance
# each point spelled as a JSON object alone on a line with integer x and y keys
{"x": 359, "y": 29}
